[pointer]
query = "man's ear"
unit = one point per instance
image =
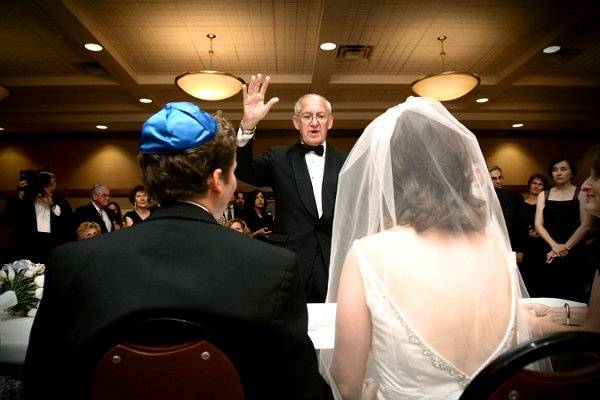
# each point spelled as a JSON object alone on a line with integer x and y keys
{"x": 296, "y": 122}
{"x": 330, "y": 123}
{"x": 215, "y": 181}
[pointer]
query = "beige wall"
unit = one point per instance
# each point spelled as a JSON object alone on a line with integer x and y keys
{"x": 80, "y": 164}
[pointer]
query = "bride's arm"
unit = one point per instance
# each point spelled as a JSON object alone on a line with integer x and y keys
{"x": 352, "y": 332}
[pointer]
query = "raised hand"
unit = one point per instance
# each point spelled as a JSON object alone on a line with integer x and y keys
{"x": 255, "y": 107}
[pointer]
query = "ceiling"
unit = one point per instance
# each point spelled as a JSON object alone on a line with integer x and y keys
{"x": 58, "y": 86}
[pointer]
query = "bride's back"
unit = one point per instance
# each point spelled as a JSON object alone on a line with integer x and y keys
{"x": 453, "y": 290}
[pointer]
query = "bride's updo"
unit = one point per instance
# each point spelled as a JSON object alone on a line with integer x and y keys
{"x": 433, "y": 177}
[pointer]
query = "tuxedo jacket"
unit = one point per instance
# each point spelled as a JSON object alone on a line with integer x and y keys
{"x": 88, "y": 213}
{"x": 179, "y": 262}
{"x": 25, "y": 241}
{"x": 297, "y": 224}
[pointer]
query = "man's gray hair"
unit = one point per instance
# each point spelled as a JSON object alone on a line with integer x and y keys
{"x": 97, "y": 188}
{"x": 297, "y": 104}
{"x": 494, "y": 168}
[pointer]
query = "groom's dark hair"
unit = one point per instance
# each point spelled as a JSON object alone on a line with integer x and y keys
{"x": 433, "y": 176}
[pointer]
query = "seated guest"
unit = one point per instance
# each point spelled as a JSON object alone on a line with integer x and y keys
{"x": 238, "y": 224}
{"x": 247, "y": 293}
{"x": 86, "y": 230}
{"x": 259, "y": 220}
{"x": 546, "y": 317}
{"x": 96, "y": 211}
{"x": 115, "y": 214}
{"x": 40, "y": 218}
{"x": 140, "y": 213}
{"x": 239, "y": 204}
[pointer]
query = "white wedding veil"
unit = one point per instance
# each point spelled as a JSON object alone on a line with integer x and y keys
{"x": 416, "y": 195}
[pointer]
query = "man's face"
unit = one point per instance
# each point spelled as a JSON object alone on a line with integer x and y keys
{"x": 313, "y": 120}
{"x": 102, "y": 197}
{"x": 239, "y": 200}
{"x": 591, "y": 188}
{"x": 497, "y": 178}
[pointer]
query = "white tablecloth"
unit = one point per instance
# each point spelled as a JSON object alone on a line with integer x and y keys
{"x": 14, "y": 332}
{"x": 14, "y": 337}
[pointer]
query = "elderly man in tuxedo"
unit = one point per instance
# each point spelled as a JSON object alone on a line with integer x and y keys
{"x": 179, "y": 263}
{"x": 96, "y": 211}
{"x": 303, "y": 177}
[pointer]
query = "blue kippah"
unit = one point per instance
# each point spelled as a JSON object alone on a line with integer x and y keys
{"x": 177, "y": 127}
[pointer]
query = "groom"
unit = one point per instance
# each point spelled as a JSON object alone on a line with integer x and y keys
{"x": 303, "y": 177}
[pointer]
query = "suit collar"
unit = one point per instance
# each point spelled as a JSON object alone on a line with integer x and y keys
{"x": 329, "y": 188}
{"x": 302, "y": 178}
{"x": 182, "y": 210}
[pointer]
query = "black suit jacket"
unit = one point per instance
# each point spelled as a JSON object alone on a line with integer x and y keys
{"x": 297, "y": 222}
{"x": 180, "y": 261}
{"x": 516, "y": 221}
{"x": 88, "y": 213}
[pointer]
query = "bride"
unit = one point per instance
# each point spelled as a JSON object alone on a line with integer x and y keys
{"x": 422, "y": 270}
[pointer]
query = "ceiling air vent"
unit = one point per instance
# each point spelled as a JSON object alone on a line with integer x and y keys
{"x": 91, "y": 68}
{"x": 354, "y": 52}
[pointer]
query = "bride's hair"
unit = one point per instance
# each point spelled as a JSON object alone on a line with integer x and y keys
{"x": 433, "y": 177}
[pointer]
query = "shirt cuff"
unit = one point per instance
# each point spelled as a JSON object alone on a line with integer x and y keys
{"x": 244, "y": 138}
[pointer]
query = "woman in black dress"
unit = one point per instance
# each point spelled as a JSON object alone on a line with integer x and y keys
{"x": 562, "y": 221}
{"x": 534, "y": 244}
{"x": 140, "y": 213}
{"x": 258, "y": 219}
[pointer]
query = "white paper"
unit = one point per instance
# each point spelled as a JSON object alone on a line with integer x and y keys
{"x": 321, "y": 324}
{"x": 552, "y": 302}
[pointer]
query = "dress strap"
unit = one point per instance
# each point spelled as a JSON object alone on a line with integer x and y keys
{"x": 546, "y": 194}
{"x": 577, "y": 189}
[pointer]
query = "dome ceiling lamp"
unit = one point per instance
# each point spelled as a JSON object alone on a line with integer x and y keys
{"x": 3, "y": 92}
{"x": 447, "y": 85}
{"x": 209, "y": 84}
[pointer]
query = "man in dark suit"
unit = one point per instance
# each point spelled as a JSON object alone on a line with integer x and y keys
{"x": 179, "y": 262}
{"x": 512, "y": 208}
{"x": 96, "y": 211}
{"x": 303, "y": 177}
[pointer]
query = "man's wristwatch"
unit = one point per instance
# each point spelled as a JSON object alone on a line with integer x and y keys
{"x": 247, "y": 131}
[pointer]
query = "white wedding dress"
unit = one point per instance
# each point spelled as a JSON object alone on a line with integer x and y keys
{"x": 407, "y": 365}
{"x": 418, "y": 221}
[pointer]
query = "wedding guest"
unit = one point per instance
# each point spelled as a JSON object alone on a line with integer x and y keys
{"x": 239, "y": 204}
{"x": 139, "y": 199}
{"x": 179, "y": 263}
{"x": 259, "y": 220}
{"x": 238, "y": 224}
{"x": 96, "y": 210}
{"x": 40, "y": 217}
{"x": 533, "y": 257}
{"x": 114, "y": 209}
{"x": 562, "y": 221}
{"x": 546, "y": 319}
{"x": 86, "y": 230}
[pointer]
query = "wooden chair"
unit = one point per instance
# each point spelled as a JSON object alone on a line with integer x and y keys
{"x": 165, "y": 359}
{"x": 506, "y": 378}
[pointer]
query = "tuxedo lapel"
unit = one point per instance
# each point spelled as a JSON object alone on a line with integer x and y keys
{"x": 303, "y": 184}
{"x": 330, "y": 177}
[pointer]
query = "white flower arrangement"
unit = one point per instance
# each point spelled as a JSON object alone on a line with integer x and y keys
{"x": 26, "y": 279}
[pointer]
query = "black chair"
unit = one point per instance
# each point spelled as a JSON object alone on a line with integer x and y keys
{"x": 165, "y": 358}
{"x": 506, "y": 378}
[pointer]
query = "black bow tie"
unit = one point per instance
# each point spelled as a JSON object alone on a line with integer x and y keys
{"x": 304, "y": 148}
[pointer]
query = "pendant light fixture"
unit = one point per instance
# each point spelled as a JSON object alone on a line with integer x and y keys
{"x": 447, "y": 85}
{"x": 209, "y": 84}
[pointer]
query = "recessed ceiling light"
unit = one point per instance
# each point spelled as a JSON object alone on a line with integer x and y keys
{"x": 1, "y": 129}
{"x": 145, "y": 100}
{"x": 93, "y": 47}
{"x": 519, "y": 125}
{"x": 101, "y": 127}
{"x": 551, "y": 49}
{"x": 328, "y": 46}
{"x": 482, "y": 100}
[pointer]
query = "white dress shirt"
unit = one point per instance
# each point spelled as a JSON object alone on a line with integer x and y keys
{"x": 42, "y": 214}
{"x": 105, "y": 218}
{"x": 314, "y": 163}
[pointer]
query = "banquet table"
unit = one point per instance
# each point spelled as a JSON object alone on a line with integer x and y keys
{"x": 14, "y": 332}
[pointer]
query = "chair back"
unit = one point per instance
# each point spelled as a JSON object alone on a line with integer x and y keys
{"x": 165, "y": 359}
{"x": 577, "y": 354}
